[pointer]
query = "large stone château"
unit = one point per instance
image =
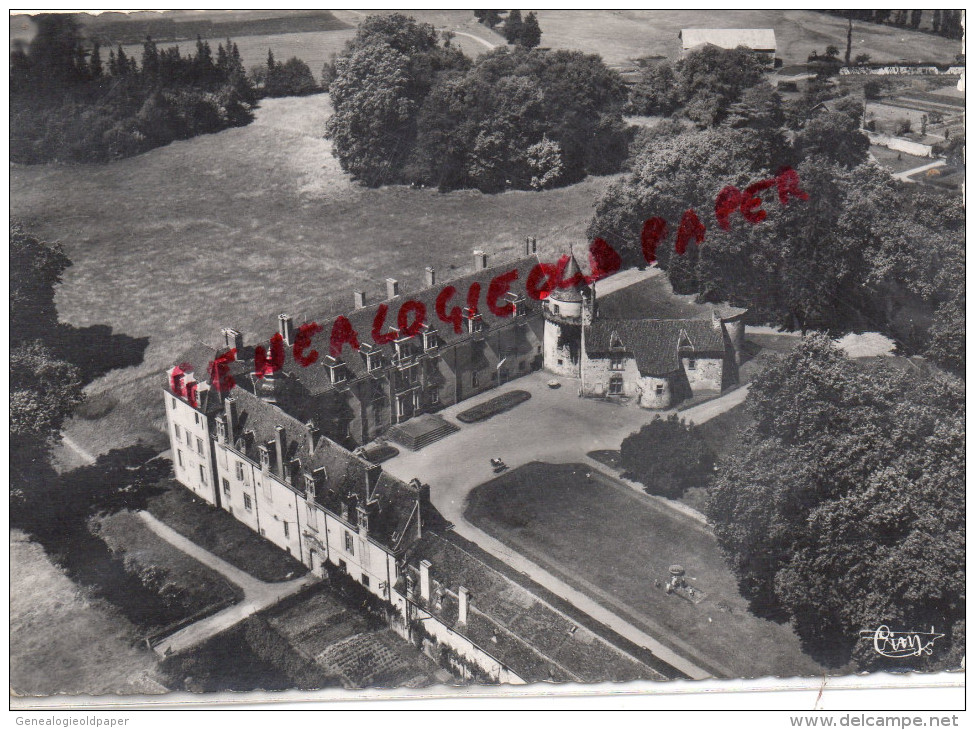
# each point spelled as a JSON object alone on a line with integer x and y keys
{"x": 280, "y": 451}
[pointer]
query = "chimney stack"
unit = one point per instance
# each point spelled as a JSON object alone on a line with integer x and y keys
{"x": 233, "y": 338}
{"x": 360, "y": 299}
{"x": 230, "y": 413}
{"x": 313, "y": 434}
{"x": 531, "y": 245}
{"x": 286, "y": 327}
{"x": 431, "y": 276}
{"x": 480, "y": 260}
{"x": 279, "y": 449}
{"x": 425, "y": 566}
{"x": 392, "y": 288}
{"x": 463, "y": 596}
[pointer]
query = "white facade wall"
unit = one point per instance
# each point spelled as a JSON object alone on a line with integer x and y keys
{"x": 189, "y": 438}
{"x": 463, "y": 646}
{"x": 596, "y": 376}
{"x": 658, "y": 392}
{"x": 706, "y": 374}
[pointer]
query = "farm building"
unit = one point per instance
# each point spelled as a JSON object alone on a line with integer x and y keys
{"x": 759, "y": 40}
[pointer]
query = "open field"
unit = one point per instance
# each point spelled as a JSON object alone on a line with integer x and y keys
{"x": 234, "y": 228}
{"x": 623, "y": 35}
{"x": 61, "y": 641}
{"x": 612, "y": 542}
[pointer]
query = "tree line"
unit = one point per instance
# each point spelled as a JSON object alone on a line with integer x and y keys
{"x": 947, "y": 23}
{"x": 69, "y": 104}
{"x": 411, "y": 108}
{"x": 862, "y": 252}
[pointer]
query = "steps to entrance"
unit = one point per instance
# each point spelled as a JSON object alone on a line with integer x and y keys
{"x": 421, "y": 431}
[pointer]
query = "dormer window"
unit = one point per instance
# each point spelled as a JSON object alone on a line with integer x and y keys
{"x": 221, "y": 429}
{"x": 519, "y": 302}
{"x": 337, "y": 372}
{"x": 430, "y": 339}
{"x": 615, "y": 342}
{"x": 475, "y": 322}
{"x": 404, "y": 347}
{"x": 264, "y": 454}
{"x": 372, "y": 355}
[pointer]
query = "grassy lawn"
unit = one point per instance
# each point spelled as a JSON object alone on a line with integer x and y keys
{"x": 61, "y": 640}
{"x": 186, "y": 588}
{"x": 234, "y": 228}
{"x": 215, "y": 530}
{"x": 653, "y": 297}
{"x": 613, "y": 542}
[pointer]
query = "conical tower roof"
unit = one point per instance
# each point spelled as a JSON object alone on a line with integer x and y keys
{"x": 574, "y": 283}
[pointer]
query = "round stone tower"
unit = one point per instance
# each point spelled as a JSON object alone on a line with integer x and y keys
{"x": 564, "y": 311}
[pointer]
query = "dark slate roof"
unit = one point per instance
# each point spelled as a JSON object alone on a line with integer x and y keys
{"x": 315, "y": 378}
{"x": 391, "y": 503}
{"x": 572, "y": 293}
{"x": 656, "y": 344}
{"x": 511, "y": 624}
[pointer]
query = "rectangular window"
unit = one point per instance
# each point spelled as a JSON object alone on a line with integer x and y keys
{"x": 179, "y": 457}
{"x": 173, "y": 402}
{"x": 343, "y": 567}
{"x": 660, "y": 389}
{"x": 365, "y": 580}
{"x": 239, "y": 470}
{"x": 203, "y": 475}
{"x": 616, "y": 385}
{"x": 226, "y": 487}
{"x": 349, "y": 546}
{"x": 312, "y": 516}
{"x": 199, "y": 446}
{"x": 287, "y": 532}
{"x": 364, "y": 553}
{"x": 555, "y": 309}
{"x": 176, "y": 430}
{"x": 196, "y": 417}
{"x": 189, "y": 439}
{"x": 474, "y": 379}
{"x": 617, "y": 362}
{"x": 692, "y": 364}
{"x": 247, "y": 502}
{"x": 434, "y": 395}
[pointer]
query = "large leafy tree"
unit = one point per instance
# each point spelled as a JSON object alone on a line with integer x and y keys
{"x": 667, "y": 456}
{"x": 481, "y": 127}
{"x": 835, "y": 136}
{"x": 711, "y": 79}
{"x": 846, "y": 509}
{"x": 381, "y": 80}
{"x": 35, "y": 269}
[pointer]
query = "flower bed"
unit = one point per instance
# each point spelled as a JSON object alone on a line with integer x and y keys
{"x": 494, "y": 406}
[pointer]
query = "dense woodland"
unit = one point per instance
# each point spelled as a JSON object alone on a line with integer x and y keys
{"x": 845, "y": 509}
{"x": 69, "y": 103}
{"x": 864, "y": 252}
{"x": 411, "y": 108}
